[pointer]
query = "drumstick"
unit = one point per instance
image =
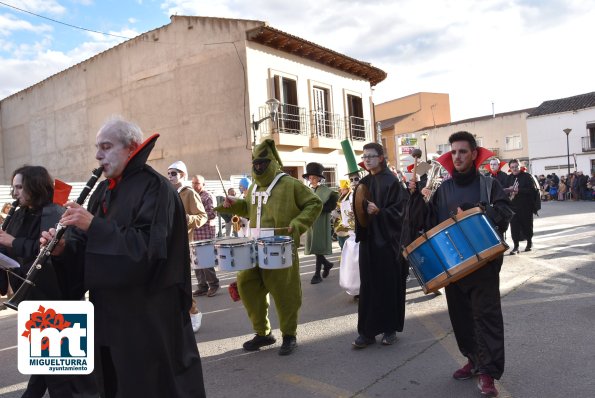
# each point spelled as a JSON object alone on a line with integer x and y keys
{"x": 222, "y": 185}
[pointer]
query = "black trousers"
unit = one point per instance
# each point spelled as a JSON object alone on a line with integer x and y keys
{"x": 476, "y": 316}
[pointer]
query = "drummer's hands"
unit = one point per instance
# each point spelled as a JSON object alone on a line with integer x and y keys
{"x": 47, "y": 236}
{"x": 459, "y": 210}
{"x": 229, "y": 201}
{"x": 6, "y": 239}
{"x": 76, "y": 215}
{"x": 372, "y": 208}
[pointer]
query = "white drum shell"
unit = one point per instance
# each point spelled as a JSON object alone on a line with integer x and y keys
{"x": 235, "y": 254}
{"x": 275, "y": 252}
{"x": 205, "y": 255}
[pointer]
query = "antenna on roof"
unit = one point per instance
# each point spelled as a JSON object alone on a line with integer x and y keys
{"x": 493, "y": 111}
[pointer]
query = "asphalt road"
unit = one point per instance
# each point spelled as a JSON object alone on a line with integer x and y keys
{"x": 548, "y": 298}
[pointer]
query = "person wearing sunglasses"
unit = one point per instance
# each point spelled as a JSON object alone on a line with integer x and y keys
{"x": 195, "y": 218}
{"x": 276, "y": 204}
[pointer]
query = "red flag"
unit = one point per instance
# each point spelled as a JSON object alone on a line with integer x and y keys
{"x": 61, "y": 192}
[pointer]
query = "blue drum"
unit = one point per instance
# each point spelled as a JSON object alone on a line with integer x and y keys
{"x": 453, "y": 249}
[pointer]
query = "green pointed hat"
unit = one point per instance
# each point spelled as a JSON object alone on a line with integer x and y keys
{"x": 352, "y": 166}
{"x": 267, "y": 150}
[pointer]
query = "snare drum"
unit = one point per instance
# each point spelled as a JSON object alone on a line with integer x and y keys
{"x": 275, "y": 252}
{"x": 205, "y": 255}
{"x": 235, "y": 254}
{"x": 453, "y": 249}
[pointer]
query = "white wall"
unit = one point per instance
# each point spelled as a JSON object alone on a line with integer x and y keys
{"x": 547, "y": 142}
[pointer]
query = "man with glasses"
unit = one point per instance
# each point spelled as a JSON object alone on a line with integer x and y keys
{"x": 379, "y": 207}
{"x": 195, "y": 218}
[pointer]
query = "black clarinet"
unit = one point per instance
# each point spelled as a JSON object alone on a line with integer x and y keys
{"x": 46, "y": 250}
{"x": 6, "y": 222}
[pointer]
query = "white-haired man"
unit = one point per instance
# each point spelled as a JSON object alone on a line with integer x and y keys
{"x": 130, "y": 249}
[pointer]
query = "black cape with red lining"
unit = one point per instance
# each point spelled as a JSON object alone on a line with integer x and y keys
{"x": 136, "y": 265}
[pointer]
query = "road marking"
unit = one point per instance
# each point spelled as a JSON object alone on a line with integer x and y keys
{"x": 317, "y": 387}
{"x": 542, "y": 300}
{"x": 13, "y": 388}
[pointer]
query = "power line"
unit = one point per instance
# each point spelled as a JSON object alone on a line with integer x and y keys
{"x": 64, "y": 23}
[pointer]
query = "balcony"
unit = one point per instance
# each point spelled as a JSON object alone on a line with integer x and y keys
{"x": 588, "y": 143}
{"x": 291, "y": 127}
{"x": 327, "y": 130}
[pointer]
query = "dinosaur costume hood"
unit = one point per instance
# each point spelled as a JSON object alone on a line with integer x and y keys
{"x": 266, "y": 150}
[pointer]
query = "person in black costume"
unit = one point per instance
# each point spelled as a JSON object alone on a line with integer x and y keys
{"x": 381, "y": 306}
{"x": 33, "y": 187}
{"x": 496, "y": 171}
{"x": 132, "y": 244}
{"x": 473, "y": 301}
{"x": 522, "y": 191}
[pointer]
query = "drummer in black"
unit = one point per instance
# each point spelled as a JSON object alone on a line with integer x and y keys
{"x": 473, "y": 301}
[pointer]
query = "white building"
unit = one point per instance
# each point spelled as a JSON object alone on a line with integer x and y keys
{"x": 197, "y": 81}
{"x": 547, "y": 139}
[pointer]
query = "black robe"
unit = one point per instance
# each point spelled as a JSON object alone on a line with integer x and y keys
{"x": 136, "y": 266}
{"x": 383, "y": 271}
{"x": 521, "y": 225}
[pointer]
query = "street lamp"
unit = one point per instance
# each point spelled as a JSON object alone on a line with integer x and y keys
{"x": 273, "y": 105}
{"x": 424, "y": 137}
{"x": 567, "y": 131}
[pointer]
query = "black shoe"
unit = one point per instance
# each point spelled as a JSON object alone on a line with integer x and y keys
{"x": 514, "y": 251}
{"x": 289, "y": 344}
{"x": 316, "y": 279}
{"x": 528, "y": 247}
{"x": 363, "y": 342}
{"x": 389, "y": 338}
{"x": 259, "y": 341}
{"x": 327, "y": 268}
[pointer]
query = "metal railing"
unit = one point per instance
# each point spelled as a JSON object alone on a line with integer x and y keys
{"x": 326, "y": 124}
{"x": 291, "y": 119}
{"x": 588, "y": 143}
{"x": 359, "y": 128}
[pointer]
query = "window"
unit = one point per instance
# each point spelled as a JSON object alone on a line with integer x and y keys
{"x": 330, "y": 175}
{"x": 355, "y": 112}
{"x": 442, "y": 148}
{"x": 289, "y": 114}
{"x": 513, "y": 142}
{"x": 322, "y": 123}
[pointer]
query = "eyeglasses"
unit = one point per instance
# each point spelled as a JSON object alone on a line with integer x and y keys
{"x": 172, "y": 173}
{"x": 369, "y": 157}
{"x": 354, "y": 179}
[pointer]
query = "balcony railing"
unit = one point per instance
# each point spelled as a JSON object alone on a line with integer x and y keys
{"x": 359, "y": 128}
{"x": 296, "y": 121}
{"x": 588, "y": 143}
{"x": 325, "y": 124}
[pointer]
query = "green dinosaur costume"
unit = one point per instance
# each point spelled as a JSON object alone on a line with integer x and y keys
{"x": 290, "y": 204}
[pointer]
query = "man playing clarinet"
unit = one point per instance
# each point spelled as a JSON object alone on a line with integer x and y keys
{"x": 132, "y": 244}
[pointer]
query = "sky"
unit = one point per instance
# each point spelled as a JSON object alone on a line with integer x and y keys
{"x": 505, "y": 54}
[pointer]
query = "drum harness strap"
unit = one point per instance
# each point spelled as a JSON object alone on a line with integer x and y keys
{"x": 263, "y": 197}
{"x": 485, "y": 192}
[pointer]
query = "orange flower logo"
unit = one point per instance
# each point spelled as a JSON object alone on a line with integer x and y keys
{"x": 43, "y": 319}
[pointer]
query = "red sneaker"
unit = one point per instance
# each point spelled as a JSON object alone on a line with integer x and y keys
{"x": 485, "y": 383}
{"x": 466, "y": 372}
